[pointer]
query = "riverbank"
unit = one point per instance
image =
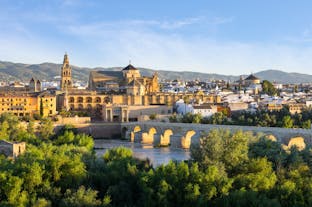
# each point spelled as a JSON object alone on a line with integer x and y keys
{"x": 157, "y": 156}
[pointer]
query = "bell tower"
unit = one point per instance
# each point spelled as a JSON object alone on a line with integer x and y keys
{"x": 66, "y": 80}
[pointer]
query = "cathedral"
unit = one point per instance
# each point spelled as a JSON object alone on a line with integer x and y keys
{"x": 118, "y": 96}
{"x": 128, "y": 81}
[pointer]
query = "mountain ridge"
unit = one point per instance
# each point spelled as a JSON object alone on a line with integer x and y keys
{"x": 45, "y": 71}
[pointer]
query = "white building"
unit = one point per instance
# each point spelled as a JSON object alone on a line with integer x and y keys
{"x": 206, "y": 110}
{"x": 183, "y": 108}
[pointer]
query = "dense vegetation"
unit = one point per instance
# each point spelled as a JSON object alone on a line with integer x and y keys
{"x": 226, "y": 169}
{"x": 262, "y": 118}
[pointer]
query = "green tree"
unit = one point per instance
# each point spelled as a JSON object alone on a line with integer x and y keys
{"x": 287, "y": 122}
{"x": 306, "y": 124}
{"x": 46, "y": 128}
{"x": 196, "y": 118}
{"x": 81, "y": 198}
{"x": 272, "y": 150}
{"x": 4, "y": 130}
{"x": 183, "y": 185}
{"x": 222, "y": 148}
{"x": 42, "y": 202}
{"x": 268, "y": 88}
{"x": 218, "y": 118}
{"x": 243, "y": 198}
{"x": 256, "y": 175}
{"x": 30, "y": 127}
{"x": 153, "y": 116}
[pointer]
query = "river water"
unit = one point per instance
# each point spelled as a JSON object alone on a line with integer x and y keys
{"x": 157, "y": 156}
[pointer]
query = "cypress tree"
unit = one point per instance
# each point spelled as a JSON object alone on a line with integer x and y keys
{"x": 41, "y": 107}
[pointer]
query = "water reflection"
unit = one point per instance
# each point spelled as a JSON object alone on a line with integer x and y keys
{"x": 157, "y": 156}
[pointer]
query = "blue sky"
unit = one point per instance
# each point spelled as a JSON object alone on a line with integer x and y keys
{"x": 227, "y": 37}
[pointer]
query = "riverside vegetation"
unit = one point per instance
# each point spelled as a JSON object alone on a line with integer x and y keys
{"x": 226, "y": 169}
{"x": 261, "y": 118}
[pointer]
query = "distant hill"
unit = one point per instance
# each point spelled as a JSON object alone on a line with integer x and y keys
{"x": 284, "y": 77}
{"x": 46, "y": 71}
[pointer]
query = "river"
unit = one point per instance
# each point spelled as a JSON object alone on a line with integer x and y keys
{"x": 157, "y": 156}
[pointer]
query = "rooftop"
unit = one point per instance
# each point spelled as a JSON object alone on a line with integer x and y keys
{"x": 252, "y": 77}
{"x": 129, "y": 67}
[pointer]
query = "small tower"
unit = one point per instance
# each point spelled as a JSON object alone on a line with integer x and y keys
{"x": 66, "y": 80}
{"x": 34, "y": 85}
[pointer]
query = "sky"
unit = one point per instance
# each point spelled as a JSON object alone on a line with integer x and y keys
{"x": 221, "y": 36}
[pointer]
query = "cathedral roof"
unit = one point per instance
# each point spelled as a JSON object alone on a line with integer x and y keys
{"x": 252, "y": 77}
{"x": 134, "y": 83}
{"x": 107, "y": 75}
{"x": 129, "y": 67}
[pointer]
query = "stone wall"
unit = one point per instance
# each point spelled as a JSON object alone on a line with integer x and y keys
{"x": 73, "y": 120}
{"x": 97, "y": 130}
{"x": 180, "y": 131}
{"x": 6, "y": 148}
{"x": 13, "y": 149}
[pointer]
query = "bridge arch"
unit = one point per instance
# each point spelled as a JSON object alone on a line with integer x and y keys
{"x": 136, "y": 129}
{"x": 152, "y": 131}
{"x": 165, "y": 138}
{"x": 187, "y": 138}
{"x": 271, "y": 137}
{"x": 298, "y": 142}
{"x": 148, "y": 137}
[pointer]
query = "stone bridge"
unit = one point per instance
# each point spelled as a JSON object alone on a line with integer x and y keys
{"x": 182, "y": 135}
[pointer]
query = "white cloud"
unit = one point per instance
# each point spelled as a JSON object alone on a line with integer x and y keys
{"x": 118, "y": 42}
{"x": 114, "y": 43}
{"x": 135, "y": 24}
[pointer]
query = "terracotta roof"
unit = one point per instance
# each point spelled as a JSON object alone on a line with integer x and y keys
{"x": 129, "y": 67}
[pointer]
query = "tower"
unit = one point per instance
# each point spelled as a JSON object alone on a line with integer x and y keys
{"x": 66, "y": 80}
{"x": 34, "y": 85}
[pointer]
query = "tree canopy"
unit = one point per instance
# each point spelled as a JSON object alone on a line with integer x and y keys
{"x": 226, "y": 169}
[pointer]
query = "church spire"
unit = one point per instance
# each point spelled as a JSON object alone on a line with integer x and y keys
{"x": 66, "y": 77}
{"x": 66, "y": 60}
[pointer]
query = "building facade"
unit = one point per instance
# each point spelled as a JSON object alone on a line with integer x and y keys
{"x": 12, "y": 149}
{"x": 127, "y": 81}
{"x": 27, "y": 103}
{"x": 112, "y": 91}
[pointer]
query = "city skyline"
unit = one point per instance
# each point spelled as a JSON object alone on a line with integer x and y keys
{"x": 210, "y": 37}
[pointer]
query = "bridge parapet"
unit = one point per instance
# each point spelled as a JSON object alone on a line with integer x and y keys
{"x": 170, "y": 132}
